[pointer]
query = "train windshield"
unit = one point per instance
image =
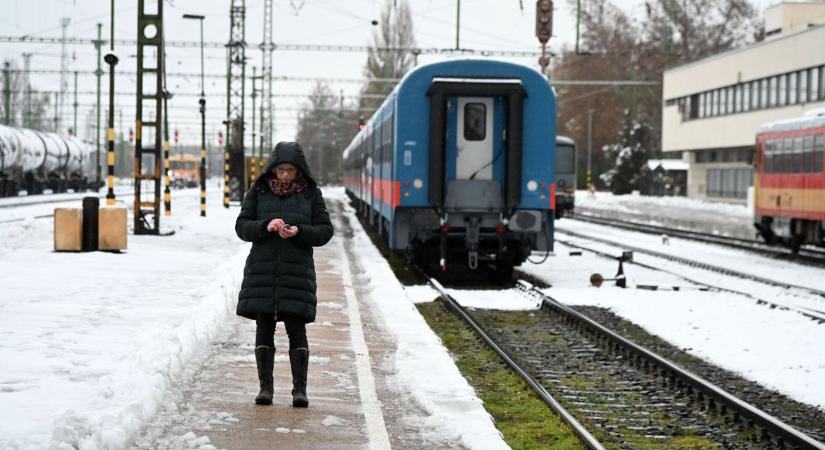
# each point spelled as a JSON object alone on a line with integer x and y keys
{"x": 565, "y": 158}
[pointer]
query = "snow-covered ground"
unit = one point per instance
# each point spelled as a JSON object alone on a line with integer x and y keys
{"x": 91, "y": 342}
{"x": 725, "y": 219}
{"x": 94, "y": 343}
{"x": 780, "y": 349}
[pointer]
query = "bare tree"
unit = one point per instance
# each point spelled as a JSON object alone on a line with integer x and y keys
{"x": 618, "y": 48}
{"x": 325, "y": 127}
{"x": 396, "y": 32}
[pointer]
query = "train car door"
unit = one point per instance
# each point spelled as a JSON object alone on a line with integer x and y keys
{"x": 473, "y": 138}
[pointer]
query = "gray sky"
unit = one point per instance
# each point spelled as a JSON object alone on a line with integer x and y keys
{"x": 485, "y": 24}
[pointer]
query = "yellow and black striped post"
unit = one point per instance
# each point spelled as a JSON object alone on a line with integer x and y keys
{"x": 167, "y": 194}
{"x": 226, "y": 176}
{"x": 111, "y": 60}
{"x": 202, "y": 172}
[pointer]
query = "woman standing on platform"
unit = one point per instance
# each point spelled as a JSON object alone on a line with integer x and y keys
{"x": 284, "y": 215}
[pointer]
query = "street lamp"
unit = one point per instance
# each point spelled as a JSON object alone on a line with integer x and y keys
{"x": 202, "y": 103}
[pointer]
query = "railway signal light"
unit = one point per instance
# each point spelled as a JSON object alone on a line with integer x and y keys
{"x": 177, "y": 137}
{"x": 544, "y": 20}
{"x": 220, "y": 137}
{"x": 131, "y": 136}
{"x": 361, "y": 123}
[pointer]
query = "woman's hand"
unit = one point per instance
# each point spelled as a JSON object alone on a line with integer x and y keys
{"x": 275, "y": 225}
{"x": 287, "y": 233}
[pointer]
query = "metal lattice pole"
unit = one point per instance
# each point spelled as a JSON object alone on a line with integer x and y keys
{"x": 150, "y": 38}
{"x": 267, "y": 47}
{"x": 234, "y": 166}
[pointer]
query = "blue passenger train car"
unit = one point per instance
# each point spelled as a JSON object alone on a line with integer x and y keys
{"x": 457, "y": 165}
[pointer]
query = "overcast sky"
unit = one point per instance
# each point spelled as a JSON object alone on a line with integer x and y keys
{"x": 485, "y": 25}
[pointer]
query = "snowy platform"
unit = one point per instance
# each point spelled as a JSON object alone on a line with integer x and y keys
{"x": 143, "y": 349}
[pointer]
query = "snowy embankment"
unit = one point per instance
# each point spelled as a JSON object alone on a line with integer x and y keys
{"x": 724, "y": 219}
{"x": 423, "y": 367}
{"x": 93, "y": 342}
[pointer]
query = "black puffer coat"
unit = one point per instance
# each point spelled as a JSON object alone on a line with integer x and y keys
{"x": 279, "y": 275}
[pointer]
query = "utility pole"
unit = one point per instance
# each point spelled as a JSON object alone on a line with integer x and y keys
{"x": 256, "y": 162}
{"x": 111, "y": 61}
{"x": 149, "y": 145}
{"x": 234, "y": 164}
{"x": 74, "y": 128}
{"x": 267, "y": 48}
{"x": 64, "y": 67}
{"x": 589, "y": 147}
{"x": 99, "y": 74}
{"x": 27, "y": 112}
{"x": 56, "y": 113}
{"x": 7, "y": 93}
{"x": 202, "y": 109}
{"x": 457, "y": 23}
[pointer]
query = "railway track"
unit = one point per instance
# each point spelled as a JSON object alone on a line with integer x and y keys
{"x": 813, "y": 314}
{"x": 616, "y": 394}
{"x": 810, "y": 256}
{"x": 690, "y": 262}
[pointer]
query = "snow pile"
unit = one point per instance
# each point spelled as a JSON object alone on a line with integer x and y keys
{"x": 93, "y": 342}
{"x": 633, "y": 203}
{"x": 424, "y": 367}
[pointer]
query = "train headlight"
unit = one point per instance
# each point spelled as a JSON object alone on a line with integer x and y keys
{"x": 532, "y": 185}
{"x": 418, "y": 183}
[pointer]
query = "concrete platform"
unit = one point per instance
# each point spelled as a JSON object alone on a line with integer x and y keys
{"x": 354, "y": 403}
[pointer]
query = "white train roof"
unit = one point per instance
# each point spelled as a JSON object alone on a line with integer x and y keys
{"x": 814, "y": 118}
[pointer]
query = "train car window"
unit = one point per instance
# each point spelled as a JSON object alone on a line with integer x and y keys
{"x": 797, "y": 154}
{"x": 475, "y": 121}
{"x": 819, "y": 151}
{"x": 565, "y": 159}
{"x": 787, "y": 155}
{"x": 770, "y": 157}
{"x": 808, "y": 154}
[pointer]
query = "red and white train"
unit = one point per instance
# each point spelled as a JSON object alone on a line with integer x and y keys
{"x": 789, "y": 181}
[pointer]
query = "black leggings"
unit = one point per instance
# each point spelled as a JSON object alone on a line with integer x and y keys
{"x": 295, "y": 329}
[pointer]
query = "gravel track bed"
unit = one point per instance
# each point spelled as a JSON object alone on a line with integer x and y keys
{"x": 625, "y": 406}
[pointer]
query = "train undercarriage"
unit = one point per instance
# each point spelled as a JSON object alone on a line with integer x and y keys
{"x": 791, "y": 232}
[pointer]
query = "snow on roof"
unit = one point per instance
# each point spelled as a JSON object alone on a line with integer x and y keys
{"x": 811, "y": 119}
{"x": 668, "y": 164}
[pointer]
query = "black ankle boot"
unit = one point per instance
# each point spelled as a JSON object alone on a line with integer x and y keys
{"x": 265, "y": 358}
{"x": 299, "y": 361}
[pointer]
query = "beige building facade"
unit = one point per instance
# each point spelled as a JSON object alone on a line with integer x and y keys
{"x": 713, "y": 107}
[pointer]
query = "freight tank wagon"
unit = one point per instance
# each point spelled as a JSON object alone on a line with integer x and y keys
{"x": 457, "y": 165}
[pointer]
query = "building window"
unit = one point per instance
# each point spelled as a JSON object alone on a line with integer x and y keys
{"x": 793, "y": 92}
{"x": 821, "y": 83}
{"x": 813, "y": 84}
{"x": 764, "y": 90}
{"x": 782, "y": 92}
{"x": 693, "y": 106}
{"x": 803, "y": 86}
{"x": 724, "y": 101}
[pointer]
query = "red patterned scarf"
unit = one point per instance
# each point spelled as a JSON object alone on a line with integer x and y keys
{"x": 286, "y": 188}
